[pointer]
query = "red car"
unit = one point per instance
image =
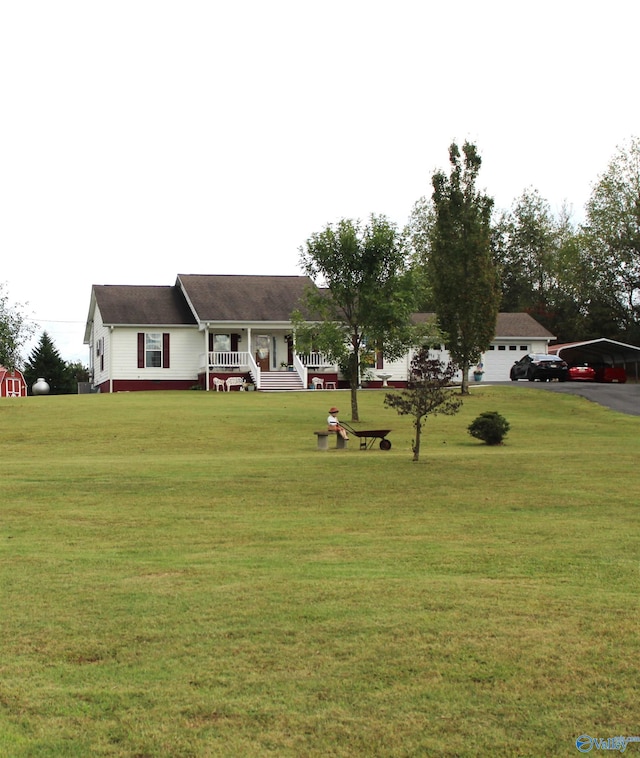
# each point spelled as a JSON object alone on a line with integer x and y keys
{"x": 582, "y": 372}
{"x": 606, "y": 373}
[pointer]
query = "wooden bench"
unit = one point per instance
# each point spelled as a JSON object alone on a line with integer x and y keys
{"x": 323, "y": 440}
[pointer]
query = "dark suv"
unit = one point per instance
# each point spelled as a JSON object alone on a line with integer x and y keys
{"x": 539, "y": 366}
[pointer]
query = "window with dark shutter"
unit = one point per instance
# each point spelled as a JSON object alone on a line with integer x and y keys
{"x": 153, "y": 350}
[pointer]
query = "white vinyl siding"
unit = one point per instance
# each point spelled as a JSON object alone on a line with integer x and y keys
{"x": 100, "y": 347}
{"x": 496, "y": 362}
{"x": 186, "y": 345}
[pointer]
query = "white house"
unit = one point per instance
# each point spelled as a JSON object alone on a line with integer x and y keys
{"x": 219, "y": 332}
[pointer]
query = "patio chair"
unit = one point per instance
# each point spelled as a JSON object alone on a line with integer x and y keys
{"x": 317, "y": 383}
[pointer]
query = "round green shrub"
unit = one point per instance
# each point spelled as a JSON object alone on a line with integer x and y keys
{"x": 490, "y": 427}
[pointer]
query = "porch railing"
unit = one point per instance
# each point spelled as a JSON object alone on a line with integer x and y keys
{"x": 254, "y": 370}
{"x": 228, "y": 359}
{"x": 316, "y": 360}
{"x": 300, "y": 369}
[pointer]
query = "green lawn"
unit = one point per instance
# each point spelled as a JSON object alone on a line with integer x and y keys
{"x": 184, "y": 574}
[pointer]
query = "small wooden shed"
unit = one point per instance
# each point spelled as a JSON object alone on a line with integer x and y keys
{"x": 12, "y": 383}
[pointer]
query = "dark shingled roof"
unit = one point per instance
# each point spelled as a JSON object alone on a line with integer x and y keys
{"x": 244, "y": 298}
{"x": 507, "y": 325}
{"x": 141, "y": 305}
{"x": 241, "y": 298}
{"x": 520, "y": 325}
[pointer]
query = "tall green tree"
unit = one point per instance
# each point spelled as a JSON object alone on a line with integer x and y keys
{"x": 77, "y": 372}
{"x": 418, "y": 235}
{"x": 551, "y": 269}
{"x": 541, "y": 265}
{"x": 612, "y": 231}
{"x": 45, "y": 361}
{"x": 584, "y": 305}
{"x": 528, "y": 254}
{"x": 366, "y": 297}
{"x": 463, "y": 273}
{"x": 15, "y": 330}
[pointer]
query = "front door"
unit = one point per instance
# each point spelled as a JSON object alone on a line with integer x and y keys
{"x": 262, "y": 352}
{"x": 289, "y": 340}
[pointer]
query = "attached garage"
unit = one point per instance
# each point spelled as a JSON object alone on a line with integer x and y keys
{"x": 516, "y": 335}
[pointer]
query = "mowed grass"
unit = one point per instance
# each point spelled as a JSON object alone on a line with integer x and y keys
{"x": 184, "y": 574}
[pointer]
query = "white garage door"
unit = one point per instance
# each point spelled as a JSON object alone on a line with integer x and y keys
{"x": 499, "y": 360}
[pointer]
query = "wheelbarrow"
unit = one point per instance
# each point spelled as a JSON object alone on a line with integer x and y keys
{"x": 369, "y": 436}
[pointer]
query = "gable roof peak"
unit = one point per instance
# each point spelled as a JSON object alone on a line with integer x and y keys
{"x": 243, "y": 297}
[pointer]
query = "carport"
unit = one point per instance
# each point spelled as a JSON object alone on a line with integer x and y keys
{"x": 600, "y": 351}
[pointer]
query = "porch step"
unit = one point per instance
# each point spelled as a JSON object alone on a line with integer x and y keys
{"x": 280, "y": 380}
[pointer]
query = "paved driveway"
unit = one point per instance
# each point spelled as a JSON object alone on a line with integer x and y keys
{"x": 619, "y": 397}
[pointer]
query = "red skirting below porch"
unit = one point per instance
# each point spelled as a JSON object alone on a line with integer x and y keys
{"x": 144, "y": 385}
{"x": 222, "y": 376}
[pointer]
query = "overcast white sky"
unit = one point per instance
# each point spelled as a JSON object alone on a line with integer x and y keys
{"x": 140, "y": 139}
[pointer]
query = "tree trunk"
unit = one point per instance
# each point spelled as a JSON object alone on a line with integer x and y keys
{"x": 464, "y": 386}
{"x": 416, "y": 442}
{"x": 354, "y": 402}
{"x": 353, "y": 381}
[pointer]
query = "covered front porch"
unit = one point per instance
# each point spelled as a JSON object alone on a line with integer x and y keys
{"x": 305, "y": 372}
{"x": 264, "y": 359}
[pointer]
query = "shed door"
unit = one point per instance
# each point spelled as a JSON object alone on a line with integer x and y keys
{"x": 13, "y": 387}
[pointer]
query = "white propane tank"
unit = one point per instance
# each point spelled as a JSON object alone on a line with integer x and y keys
{"x": 40, "y": 387}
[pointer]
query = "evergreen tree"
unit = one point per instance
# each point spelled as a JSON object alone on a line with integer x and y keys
{"x": 45, "y": 362}
{"x": 463, "y": 274}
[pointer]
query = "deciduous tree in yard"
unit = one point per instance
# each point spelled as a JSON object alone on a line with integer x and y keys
{"x": 77, "y": 372}
{"x": 429, "y": 391}
{"x": 463, "y": 274}
{"x": 366, "y": 299}
{"x": 14, "y": 331}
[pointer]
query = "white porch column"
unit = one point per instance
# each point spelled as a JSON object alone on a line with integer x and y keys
{"x": 206, "y": 357}
{"x": 109, "y": 368}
